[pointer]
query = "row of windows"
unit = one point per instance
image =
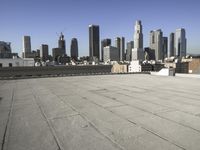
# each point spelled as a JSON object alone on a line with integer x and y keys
{"x": 10, "y": 65}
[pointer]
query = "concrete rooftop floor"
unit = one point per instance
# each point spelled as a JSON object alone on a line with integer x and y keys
{"x": 111, "y": 112}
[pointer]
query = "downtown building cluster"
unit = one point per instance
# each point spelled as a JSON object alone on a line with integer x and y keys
{"x": 101, "y": 51}
{"x": 159, "y": 48}
{"x": 58, "y": 54}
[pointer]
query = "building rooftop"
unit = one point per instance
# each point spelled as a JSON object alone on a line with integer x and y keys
{"x": 111, "y": 112}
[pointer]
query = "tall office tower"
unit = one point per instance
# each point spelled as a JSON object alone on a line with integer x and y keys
{"x": 129, "y": 47}
{"x": 61, "y": 44}
{"x": 165, "y": 47}
{"x": 156, "y": 40}
{"x": 57, "y": 53}
{"x": 117, "y": 42}
{"x": 120, "y": 44}
{"x": 94, "y": 41}
{"x": 26, "y": 46}
{"x": 110, "y": 53}
{"x": 122, "y": 49}
{"x": 171, "y": 45}
{"x": 44, "y": 52}
{"x": 104, "y": 43}
{"x": 149, "y": 54}
{"x": 180, "y": 43}
{"x": 74, "y": 49}
{"x": 5, "y": 49}
{"x": 138, "y": 35}
{"x": 137, "y": 51}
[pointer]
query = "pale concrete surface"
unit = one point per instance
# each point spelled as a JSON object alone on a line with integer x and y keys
{"x": 111, "y": 112}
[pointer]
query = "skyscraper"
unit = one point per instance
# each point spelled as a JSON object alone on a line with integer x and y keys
{"x": 165, "y": 47}
{"x": 171, "y": 45}
{"x": 117, "y": 42}
{"x": 122, "y": 49}
{"x": 110, "y": 53}
{"x": 94, "y": 41}
{"x": 138, "y": 35}
{"x": 26, "y": 46}
{"x": 120, "y": 44}
{"x": 61, "y": 44}
{"x": 129, "y": 47}
{"x": 156, "y": 43}
{"x": 5, "y": 49}
{"x": 104, "y": 43}
{"x": 137, "y": 52}
{"x": 44, "y": 52}
{"x": 74, "y": 49}
{"x": 180, "y": 43}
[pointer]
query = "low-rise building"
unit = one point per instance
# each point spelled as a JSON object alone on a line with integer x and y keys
{"x": 119, "y": 68}
{"x": 134, "y": 66}
{"x": 16, "y": 62}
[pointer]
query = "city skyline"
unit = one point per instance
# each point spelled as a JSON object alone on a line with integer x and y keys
{"x": 42, "y": 26}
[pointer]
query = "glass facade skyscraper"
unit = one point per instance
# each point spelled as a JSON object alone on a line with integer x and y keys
{"x": 94, "y": 41}
{"x": 74, "y": 49}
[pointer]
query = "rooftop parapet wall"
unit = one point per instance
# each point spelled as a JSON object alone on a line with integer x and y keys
{"x": 53, "y": 70}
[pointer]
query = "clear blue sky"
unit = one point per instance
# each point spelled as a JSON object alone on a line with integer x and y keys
{"x": 41, "y": 19}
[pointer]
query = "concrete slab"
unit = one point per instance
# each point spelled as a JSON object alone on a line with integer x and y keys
{"x": 76, "y": 133}
{"x": 126, "y": 112}
{"x": 182, "y": 118}
{"x": 175, "y": 133}
{"x": 29, "y": 130}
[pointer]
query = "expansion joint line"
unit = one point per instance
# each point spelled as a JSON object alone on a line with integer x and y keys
{"x": 8, "y": 123}
{"x": 52, "y": 130}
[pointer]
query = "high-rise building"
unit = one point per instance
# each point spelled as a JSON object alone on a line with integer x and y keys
{"x": 149, "y": 54}
{"x": 117, "y": 42}
{"x": 129, "y": 47}
{"x": 61, "y": 44}
{"x": 137, "y": 51}
{"x": 165, "y": 47}
{"x": 110, "y": 53}
{"x": 120, "y": 44}
{"x": 156, "y": 43}
{"x": 138, "y": 35}
{"x": 171, "y": 45}
{"x": 180, "y": 43}
{"x": 94, "y": 41}
{"x": 74, "y": 49}
{"x": 57, "y": 53}
{"x": 104, "y": 43}
{"x": 44, "y": 52}
{"x": 26, "y": 46}
{"x": 122, "y": 49}
{"x": 5, "y": 49}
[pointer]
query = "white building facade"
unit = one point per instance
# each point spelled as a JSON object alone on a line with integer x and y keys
{"x": 17, "y": 62}
{"x": 137, "y": 51}
{"x": 134, "y": 66}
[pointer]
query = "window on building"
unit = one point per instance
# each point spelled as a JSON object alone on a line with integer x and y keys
{"x": 10, "y": 64}
{"x": 1, "y": 65}
{"x": 153, "y": 39}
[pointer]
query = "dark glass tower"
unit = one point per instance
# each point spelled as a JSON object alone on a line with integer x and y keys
{"x": 94, "y": 41}
{"x": 44, "y": 52}
{"x": 74, "y": 49}
{"x": 104, "y": 43}
{"x": 120, "y": 44}
{"x": 171, "y": 45}
{"x": 130, "y": 46}
{"x": 61, "y": 44}
{"x": 165, "y": 47}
